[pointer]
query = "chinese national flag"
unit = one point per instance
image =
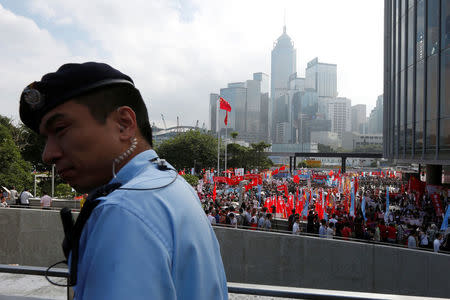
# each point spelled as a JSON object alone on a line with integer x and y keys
{"x": 225, "y": 106}
{"x": 214, "y": 193}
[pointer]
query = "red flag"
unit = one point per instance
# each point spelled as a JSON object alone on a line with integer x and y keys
{"x": 224, "y": 104}
{"x": 282, "y": 168}
{"x": 226, "y": 119}
{"x": 214, "y": 192}
{"x": 281, "y": 187}
{"x": 296, "y": 179}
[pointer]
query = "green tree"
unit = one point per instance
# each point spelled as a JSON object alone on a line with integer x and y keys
{"x": 248, "y": 157}
{"x": 261, "y": 160}
{"x": 29, "y": 143}
{"x": 14, "y": 170}
{"x": 191, "y": 179}
{"x": 31, "y": 149}
{"x": 234, "y": 135}
{"x": 190, "y": 149}
{"x": 63, "y": 190}
{"x": 324, "y": 148}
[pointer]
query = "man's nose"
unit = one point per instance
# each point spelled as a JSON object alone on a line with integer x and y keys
{"x": 52, "y": 151}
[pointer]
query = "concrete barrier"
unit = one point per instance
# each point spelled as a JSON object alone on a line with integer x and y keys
{"x": 58, "y": 203}
{"x": 33, "y": 237}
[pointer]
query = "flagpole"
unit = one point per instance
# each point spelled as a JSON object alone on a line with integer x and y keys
{"x": 218, "y": 137}
{"x": 226, "y": 136}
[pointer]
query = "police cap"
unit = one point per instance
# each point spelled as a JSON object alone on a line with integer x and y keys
{"x": 69, "y": 81}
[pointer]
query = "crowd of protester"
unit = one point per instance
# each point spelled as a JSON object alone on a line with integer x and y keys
{"x": 411, "y": 221}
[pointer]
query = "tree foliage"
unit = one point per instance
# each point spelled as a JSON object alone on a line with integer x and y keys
{"x": 248, "y": 157}
{"x": 29, "y": 143}
{"x": 191, "y": 179}
{"x": 14, "y": 170}
{"x": 190, "y": 149}
{"x": 63, "y": 190}
{"x": 324, "y": 148}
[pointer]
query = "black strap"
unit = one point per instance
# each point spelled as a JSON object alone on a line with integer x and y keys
{"x": 72, "y": 235}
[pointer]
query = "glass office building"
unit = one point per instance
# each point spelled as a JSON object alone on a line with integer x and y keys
{"x": 416, "y": 106}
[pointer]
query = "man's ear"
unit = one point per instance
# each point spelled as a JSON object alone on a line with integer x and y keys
{"x": 125, "y": 118}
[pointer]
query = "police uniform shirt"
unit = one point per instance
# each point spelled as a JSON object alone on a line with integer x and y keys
{"x": 149, "y": 244}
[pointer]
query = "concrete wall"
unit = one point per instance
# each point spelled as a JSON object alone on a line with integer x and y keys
{"x": 33, "y": 237}
{"x": 309, "y": 262}
{"x": 59, "y": 203}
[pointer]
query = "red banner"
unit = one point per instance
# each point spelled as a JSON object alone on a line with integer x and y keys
{"x": 220, "y": 179}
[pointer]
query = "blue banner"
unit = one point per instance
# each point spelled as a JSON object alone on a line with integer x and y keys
{"x": 386, "y": 214}
{"x": 305, "y": 207}
{"x": 445, "y": 221}
{"x": 363, "y": 207}
{"x": 352, "y": 204}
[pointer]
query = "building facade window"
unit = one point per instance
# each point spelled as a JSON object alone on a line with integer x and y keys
{"x": 445, "y": 24}
{"x": 432, "y": 26}
{"x": 417, "y": 82}
{"x": 420, "y": 84}
{"x": 420, "y": 31}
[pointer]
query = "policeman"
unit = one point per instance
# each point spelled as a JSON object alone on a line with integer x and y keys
{"x": 142, "y": 233}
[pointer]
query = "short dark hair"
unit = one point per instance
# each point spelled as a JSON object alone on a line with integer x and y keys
{"x": 109, "y": 98}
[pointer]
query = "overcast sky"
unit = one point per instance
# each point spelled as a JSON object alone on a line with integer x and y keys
{"x": 178, "y": 52}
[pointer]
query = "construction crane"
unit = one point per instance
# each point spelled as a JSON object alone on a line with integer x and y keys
{"x": 164, "y": 121}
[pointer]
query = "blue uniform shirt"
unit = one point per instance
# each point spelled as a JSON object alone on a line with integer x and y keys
{"x": 153, "y": 244}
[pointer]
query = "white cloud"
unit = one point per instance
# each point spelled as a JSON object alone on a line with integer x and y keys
{"x": 27, "y": 52}
{"x": 180, "y": 51}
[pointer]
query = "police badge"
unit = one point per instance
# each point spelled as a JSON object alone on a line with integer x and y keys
{"x": 32, "y": 97}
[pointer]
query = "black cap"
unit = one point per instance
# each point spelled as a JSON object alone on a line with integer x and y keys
{"x": 69, "y": 81}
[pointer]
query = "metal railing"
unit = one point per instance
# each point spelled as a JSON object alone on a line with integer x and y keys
{"x": 236, "y": 288}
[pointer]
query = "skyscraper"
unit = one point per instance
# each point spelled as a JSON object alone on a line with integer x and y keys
{"x": 338, "y": 110}
{"x": 236, "y": 95}
{"x": 359, "y": 118}
{"x": 416, "y": 90}
{"x": 322, "y": 78}
{"x": 213, "y": 111}
{"x": 283, "y": 64}
{"x": 375, "y": 122}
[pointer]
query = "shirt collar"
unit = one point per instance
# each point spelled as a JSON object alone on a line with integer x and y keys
{"x": 134, "y": 166}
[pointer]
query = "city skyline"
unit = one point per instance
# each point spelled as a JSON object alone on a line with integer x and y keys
{"x": 178, "y": 52}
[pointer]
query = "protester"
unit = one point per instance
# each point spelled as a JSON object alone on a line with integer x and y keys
{"x": 311, "y": 202}
{"x": 437, "y": 242}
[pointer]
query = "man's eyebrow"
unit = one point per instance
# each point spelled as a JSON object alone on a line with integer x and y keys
{"x": 50, "y": 121}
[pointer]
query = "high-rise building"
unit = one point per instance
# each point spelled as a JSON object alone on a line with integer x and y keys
{"x": 359, "y": 118}
{"x": 375, "y": 122}
{"x": 283, "y": 64}
{"x": 236, "y": 95}
{"x": 257, "y": 101}
{"x": 249, "y": 102}
{"x": 416, "y": 94}
{"x": 338, "y": 110}
{"x": 213, "y": 111}
{"x": 322, "y": 78}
